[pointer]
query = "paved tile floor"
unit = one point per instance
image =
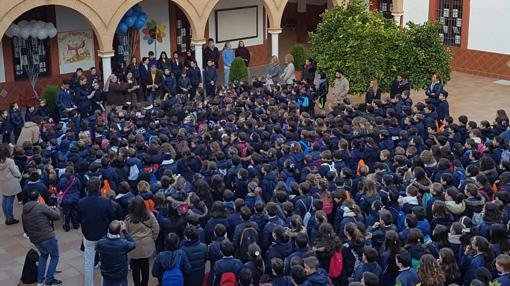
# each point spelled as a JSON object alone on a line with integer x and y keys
{"x": 477, "y": 97}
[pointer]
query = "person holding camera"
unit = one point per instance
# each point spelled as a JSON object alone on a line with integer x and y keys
{"x": 37, "y": 222}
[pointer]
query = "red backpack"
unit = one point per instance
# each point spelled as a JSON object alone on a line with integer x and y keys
{"x": 228, "y": 279}
{"x": 336, "y": 265}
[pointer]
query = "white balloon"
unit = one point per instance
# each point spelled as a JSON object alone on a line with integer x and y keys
{"x": 34, "y": 31}
{"x": 50, "y": 25}
{"x": 40, "y": 25}
{"x": 42, "y": 34}
{"x": 22, "y": 23}
{"x": 52, "y": 32}
{"x": 15, "y": 29}
{"x": 24, "y": 33}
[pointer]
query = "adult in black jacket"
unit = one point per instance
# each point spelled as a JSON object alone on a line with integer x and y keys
{"x": 196, "y": 252}
{"x": 83, "y": 97}
{"x": 399, "y": 85}
{"x": 211, "y": 53}
{"x": 95, "y": 214}
{"x": 37, "y": 224}
{"x": 113, "y": 251}
{"x": 373, "y": 92}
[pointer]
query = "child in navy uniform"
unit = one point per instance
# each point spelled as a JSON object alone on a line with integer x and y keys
{"x": 407, "y": 276}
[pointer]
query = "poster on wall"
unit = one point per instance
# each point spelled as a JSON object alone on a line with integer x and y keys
{"x": 76, "y": 50}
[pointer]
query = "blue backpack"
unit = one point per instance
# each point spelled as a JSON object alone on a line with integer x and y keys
{"x": 307, "y": 147}
{"x": 173, "y": 276}
{"x": 305, "y": 102}
{"x": 401, "y": 219}
{"x": 288, "y": 182}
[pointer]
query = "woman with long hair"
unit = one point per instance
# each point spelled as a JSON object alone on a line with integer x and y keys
{"x": 500, "y": 243}
{"x": 134, "y": 90}
{"x": 430, "y": 271}
{"x": 352, "y": 251}
{"x": 144, "y": 228}
{"x": 243, "y": 52}
{"x": 10, "y": 177}
{"x": 273, "y": 71}
{"x": 326, "y": 244}
{"x": 163, "y": 61}
{"x": 391, "y": 247}
{"x": 481, "y": 256}
{"x": 450, "y": 267}
{"x": 309, "y": 70}
{"x": 288, "y": 76}
{"x": 373, "y": 92}
{"x": 255, "y": 262}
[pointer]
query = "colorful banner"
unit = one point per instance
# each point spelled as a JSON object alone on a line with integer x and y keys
{"x": 76, "y": 50}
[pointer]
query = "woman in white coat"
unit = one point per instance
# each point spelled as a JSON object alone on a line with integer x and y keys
{"x": 10, "y": 177}
{"x": 288, "y": 76}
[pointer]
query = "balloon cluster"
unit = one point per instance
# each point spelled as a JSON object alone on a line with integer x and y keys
{"x": 35, "y": 29}
{"x": 135, "y": 18}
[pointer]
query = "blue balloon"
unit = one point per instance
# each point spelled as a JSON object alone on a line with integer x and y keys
{"x": 130, "y": 21}
{"x": 137, "y": 8}
{"x": 143, "y": 15}
{"x": 139, "y": 24}
{"x": 129, "y": 13}
{"x": 122, "y": 28}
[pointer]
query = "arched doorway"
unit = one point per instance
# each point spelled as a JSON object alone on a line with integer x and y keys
{"x": 32, "y": 61}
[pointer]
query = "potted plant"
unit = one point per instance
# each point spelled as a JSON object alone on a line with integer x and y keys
{"x": 300, "y": 55}
{"x": 50, "y": 95}
{"x": 238, "y": 70}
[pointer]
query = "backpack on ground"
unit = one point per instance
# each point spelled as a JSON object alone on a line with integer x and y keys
{"x": 401, "y": 218}
{"x": 249, "y": 235}
{"x": 228, "y": 279}
{"x": 29, "y": 273}
{"x": 308, "y": 214}
{"x": 336, "y": 265}
{"x": 173, "y": 276}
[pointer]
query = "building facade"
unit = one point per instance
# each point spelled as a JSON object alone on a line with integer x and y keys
{"x": 187, "y": 24}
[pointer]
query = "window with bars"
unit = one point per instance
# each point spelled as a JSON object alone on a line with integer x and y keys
{"x": 385, "y": 8}
{"x": 183, "y": 32}
{"x": 450, "y": 17}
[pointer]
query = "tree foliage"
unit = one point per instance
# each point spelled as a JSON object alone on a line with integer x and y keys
{"x": 238, "y": 70}
{"x": 367, "y": 46}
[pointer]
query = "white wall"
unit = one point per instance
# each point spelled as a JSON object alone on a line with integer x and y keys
{"x": 156, "y": 10}
{"x": 70, "y": 20}
{"x": 2, "y": 65}
{"x": 416, "y": 11}
{"x": 488, "y": 26}
{"x": 223, "y": 4}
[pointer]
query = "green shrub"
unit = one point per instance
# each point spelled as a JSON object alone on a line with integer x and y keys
{"x": 367, "y": 46}
{"x": 238, "y": 70}
{"x": 50, "y": 95}
{"x": 300, "y": 55}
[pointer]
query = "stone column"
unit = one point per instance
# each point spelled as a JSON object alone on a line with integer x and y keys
{"x": 398, "y": 11}
{"x": 198, "y": 44}
{"x": 274, "y": 41}
{"x": 106, "y": 57}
